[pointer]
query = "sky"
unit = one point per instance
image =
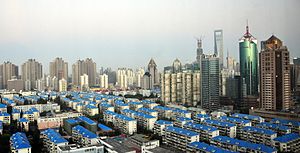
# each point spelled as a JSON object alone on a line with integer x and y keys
{"x": 128, "y": 33}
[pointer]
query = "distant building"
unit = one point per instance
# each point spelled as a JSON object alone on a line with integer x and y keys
{"x": 103, "y": 81}
{"x": 84, "y": 82}
{"x": 8, "y": 71}
{"x": 275, "y": 88}
{"x": 81, "y": 67}
{"x": 218, "y": 45}
{"x": 59, "y": 69}
{"x": 62, "y": 85}
{"x": 15, "y": 84}
{"x": 152, "y": 69}
{"x": 125, "y": 77}
{"x": 31, "y": 72}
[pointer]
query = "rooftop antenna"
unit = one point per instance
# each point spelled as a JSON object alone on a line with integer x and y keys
{"x": 247, "y": 28}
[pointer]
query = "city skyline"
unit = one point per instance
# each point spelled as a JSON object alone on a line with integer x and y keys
{"x": 133, "y": 30}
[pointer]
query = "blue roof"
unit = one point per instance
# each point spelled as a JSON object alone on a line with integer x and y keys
{"x": 120, "y": 103}
{"x": 19, "y": 141}
{"x": 285, "y": 122}
{"x": 200, "y": 127}
{"x": 234, "y": 120}
{"x": 91, "y": 107}
{"x": 182, "y": 119}
{"x": 206, "y": 116}
{"x": 148, "y": 110}
{"x": 147, "y": 101}
{"x": 86, "y": 120}
{"x": 15, "y": 111}
{"x": 2, "y": 105}
{"x": 208, "y": 148}
{"x": 246, "y": 116}
{"x": 72, "y": 121}
{"x": 258, "y": 130}
{"x": 23, "y": 120}
{"x": 181, "y": 131}
{"x": 180, "y": 111}
{"x": 161, "y": 108}
{"x": 28, "y": 112}
{"x": 33, "y": 109}
{"x": 84, "y": 132}
{"x": 287, "y": 137}
{"x": 54, "y": 136}
{"x": 124, "y": 117}
{"x": 163, "y": 122}
{"x": 135, "y": 113}
{"x": 135, "y": 103}
{"x": 105, "y": 105}
{"x": 244, "y": 144}
{"x": 273, "y": 126}
{"x": 219, "y": 123}
{"x": 104, "y": 127}
{"x": 4, "y": 114}
{"x": 110, "y": 112}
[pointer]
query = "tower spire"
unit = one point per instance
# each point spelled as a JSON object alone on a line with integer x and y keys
{"x": 247, "y": 28}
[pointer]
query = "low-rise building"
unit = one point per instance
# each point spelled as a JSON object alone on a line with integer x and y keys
{"x": 294, "y": 125}
{"x": 16, "y": 114}
{"x": 160, "y": 125}
{"x": 181, "y": 113}
{"x": 288, "y": 142}
{"x": 83, "y": 136}
{"x": 240, "y": 145}
{"x": 258, "y": 135}
{"x": 144, "y": 121}
{"x": 88, "y": 123}
{"x": 73, "y": 148}
{"x": 3, "y": 108}
{"x": 29, "y": 115}
{"x": 120, "y": 106}
{"x": 279, "y": 129}
{"x": 179, "y": 138}
{"x": 198, "y": 118}
{"x": 108, "y": 116}
{"x": 105, "y": 106}
{"x": 163, "y": 112}
{"x": 5, "y": 118}
{"x": 134, "y": 105}
{"x": 125, "y": 124}
{"x": 149, "y": 104}
{"x": 24, "y": 124}
{"x": 254, "y": 119}
{"x": 91, "y": 110}
{"x": 201, "y": 147}
{"x": 19, "y": 143}
{"x": 180, "y": 121}
{"x": 40, "y": 107}
{"x": 225, "y": 128}
{"x": 205, "y": 132}
{"x": 240, "y": 123}
{"x": 148, "y": 111}
{"x": 52, "y": 140}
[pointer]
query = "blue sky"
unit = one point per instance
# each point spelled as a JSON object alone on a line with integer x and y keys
{"x": 127, "y": 33}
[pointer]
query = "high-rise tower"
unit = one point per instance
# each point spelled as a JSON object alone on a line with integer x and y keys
{"x": 152, "y": 69}
{"x": 199, "y": 50}
{"x": 275, "y": 88}
{"x": 249, "y": 62}
{"x": 218, "y": 45}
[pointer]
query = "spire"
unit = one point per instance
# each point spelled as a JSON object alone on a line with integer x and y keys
{"x": 247, "y": 29}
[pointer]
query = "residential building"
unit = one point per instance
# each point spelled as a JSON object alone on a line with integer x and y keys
{"x": 225, "y": 128}
{"x": 163, "y": 112}
{"x": 62, "y": 85}
{"x": 240, "y": 123}
{"x": 202, "y": 147}
{"x": 81, "y": 67}
{"x": 288, "y": 143}
{"x": 160, "y": 125}
{"x": 5, "y": 118}
{"x": 32, "y": 71}
{"x": 104, "y": 81}
{"x": 15, "y": 84}
{"x": 258, "y": 135}
{"x": 19, "y": 143}
{"x": 294, "y": 125}
{"x": 52, "y": 140}
{"x": 254, "y": 119}
{"x": 279, "y": 129}
{"x": 83, "y": 137}
{"x": 205, "y": 132}
{"x": 144, "y": 121}
{"x": 8, "y": 71}
{"x": 58, "y": 69}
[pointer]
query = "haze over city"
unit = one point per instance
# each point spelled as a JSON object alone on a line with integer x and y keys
{"x": 127, "y": 33}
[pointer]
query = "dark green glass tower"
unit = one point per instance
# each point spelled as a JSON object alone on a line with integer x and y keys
{"x": 249, "y": 62}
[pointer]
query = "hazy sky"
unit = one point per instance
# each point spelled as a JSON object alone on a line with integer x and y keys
{"x": 127, "y": 33}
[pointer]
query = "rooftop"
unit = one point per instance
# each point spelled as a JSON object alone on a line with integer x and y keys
{"x": 84, "y": 132}
{"x": 219, "y": 123}
{"x": 287, "y": 138}
{"x": 181, "y": 131}
{"x": 144, "y": 109}
{"x": 124, "y": 117}
{"x": 273, "y": 126}
{"x": 4, "y": 114}
{"x": 258, "y": 130}
{"x": 23, "y": 120}
{"x": 285, "y": 122}
{"x": 234, "y": 120}
{"x": 246, "y": 116}
{"x": 163, "y": 122}
{"x": 87, "y": 120}
{"x": 104, "y": 127}
{"x": 2, "y": 105}
{"x": 208, "y": 148}
{"x": 72, "y": 121}
{"x": 200, "y": 127}
{"x": 245, "y": 144}
{"x": 54, "y": 136}
{"x": 202, "y": 116}
{"x": 19, "y": 141}
{"x": 161, "y": 108}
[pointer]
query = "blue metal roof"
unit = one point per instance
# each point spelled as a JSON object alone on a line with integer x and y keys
{"x": 91, "y": 107}
{"x": 163, "y": 122}
{"x": 86, "y": 120}
{"x": 181, "y": 131}
{"x": 244, "y": 144}
{"x": 3, "y": 105}
{"x": 104, "y": 127}
{"x": 285, "y": 122}
{"x": 161, "y": 108}
{"x": 205, "y": 116}
{"x": 105, "y": 105}
{"x": 135, "y": 103}
{"x": 200, "y": 127}
{"x": 4, "y": 114}
{"x": 84, "y": 132}
{"x": 219, "y": 123}
{"x": 28, "y": 112}
{"x": 120, "y": 103}
{"x": 72, "y": 121}
{"x": 287, "y": 137}
{"x": 182, "y": 119}
{"x": 33, "y": 109}
{"x": 234, "y": 120}
{"x": 180, "y": 111}
{"x": 148, "y": 110}
{"x": 135, "y": 113}
{"x": 15, "y": 111}
{"x": 23, "y": 120}
{"x": 54, "y": 136}
{"x": 273, "y": 126}
{"x": 124, "y": 117}
{"x": 246, "y": 116}
{"x": 19, "y": 141}
{"x": 147, "y": 101}
{"x": 208, "y": 148}
{"x": 258, "y": 130}
{"x": 110, "y": 113}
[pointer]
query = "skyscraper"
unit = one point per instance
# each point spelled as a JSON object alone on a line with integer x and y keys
{"x": 275, "y": 88}
{"x": 104, "y": 81}
{"x": 218, "y": 45}
{"x": 31, "y": 72}
{"x": 59, "y": 69}
{"x": 152, "y": 69}
{"x": 199, "y": 50}
{"x": 8, "y": 71}
{"x": 249, "y": 62}
{"x": 87, "y": 66}
{"x": 124, "y": 77}
{"x": 210, "y": 76}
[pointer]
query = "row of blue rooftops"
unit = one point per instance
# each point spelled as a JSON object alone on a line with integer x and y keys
{"x": 181, "y": 131}
{"x": 208, "y": 148}
{"x": 246, "y": 116}
{"x": 243, "y": 144}
{"x": 163, "y": 122}
{"x": 3, "y": 105}
{"x": 19, "y": 141}
{"x": 288, "y": 137}
{"x": 234, "y": 120}
{"x": 84, "y": 132}
{"x": 183, "y": 119}
{"x": 273, "y": 126}
{"x": 106, "y": 105}
{"x": 285, "y": 122}
{"x": 219, "y": 123}
{"x": 258, "y": 130}
{"x": 4, "y": 114}
{"x": 120, "y": 116}
{"x": 86, "y": 120}
{"x": 148, "y": 110}
{"x": 54, "y": 136}
{"x": 200, "y": 127}
{"x": 162, "y": 108}
{"x": 135, "y": 113}
{"x": 205, "y": 116}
